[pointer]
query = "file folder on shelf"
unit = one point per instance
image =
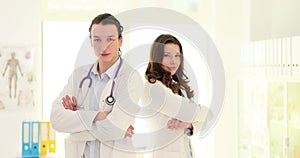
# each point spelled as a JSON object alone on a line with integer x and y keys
{"x": 38, "y": 139}
{"x": 52, "y": 140}
{"x": 35, "y": 139}
{"x": 26, "y": 145}
{"x": 44, "y": 137}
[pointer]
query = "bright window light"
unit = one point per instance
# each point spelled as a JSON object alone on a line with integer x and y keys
{"x": 61, "y": 44}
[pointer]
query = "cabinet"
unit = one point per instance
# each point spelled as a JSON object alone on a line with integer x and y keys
{"x": 268, "y": 118}
{"x": 268, "y": 105}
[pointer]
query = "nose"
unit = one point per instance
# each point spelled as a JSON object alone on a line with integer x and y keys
{"x": 172, "y": 60}
{"x": 102, "y": 46}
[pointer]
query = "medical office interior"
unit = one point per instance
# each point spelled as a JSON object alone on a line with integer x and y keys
{"x": 258, "y": 41}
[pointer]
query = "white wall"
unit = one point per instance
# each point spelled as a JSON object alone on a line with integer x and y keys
{"x": 228, "y": 37}
{"x": 274, "y": 19}
{"x": 20, "y": 26}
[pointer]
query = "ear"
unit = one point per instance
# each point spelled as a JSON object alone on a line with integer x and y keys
{"x": 120, "y": 41}
{"x": 91, "y": 42}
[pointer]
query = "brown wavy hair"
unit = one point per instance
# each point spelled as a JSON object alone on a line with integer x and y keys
{"x": 155, "y": 72}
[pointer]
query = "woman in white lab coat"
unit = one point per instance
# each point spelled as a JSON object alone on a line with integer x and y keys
{"x": 98, "y": 104}
{"x": 165, "y": 71}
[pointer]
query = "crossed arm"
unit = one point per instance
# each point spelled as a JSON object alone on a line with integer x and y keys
{"x": 185, "y": 113}
{"x": 70, "y": 104}
{"x": 65, "y": 117}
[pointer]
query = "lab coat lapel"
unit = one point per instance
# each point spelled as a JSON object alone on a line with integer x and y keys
{"x": 86, "y": 101}
{"x": 84, "y": 93}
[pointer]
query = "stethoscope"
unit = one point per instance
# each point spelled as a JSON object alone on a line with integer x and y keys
{"x": 110, "y": 100}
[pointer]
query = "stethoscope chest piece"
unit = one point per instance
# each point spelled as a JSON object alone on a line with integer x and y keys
{"x": 110, "y": 100}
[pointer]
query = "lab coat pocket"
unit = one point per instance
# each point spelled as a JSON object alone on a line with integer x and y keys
{"x": 70, "y": 147}
{"x": 74, "y": 149}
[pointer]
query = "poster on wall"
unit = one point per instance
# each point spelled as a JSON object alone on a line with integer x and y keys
{"x": 17, "y": 78}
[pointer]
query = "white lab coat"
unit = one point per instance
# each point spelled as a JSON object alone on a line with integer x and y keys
{"x": 110, "y": 131}
{"x": 162, "y": 142}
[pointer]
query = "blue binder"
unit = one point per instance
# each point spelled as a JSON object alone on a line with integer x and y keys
{"x": 26, "y": 139}
{"x": 35, "y": 139}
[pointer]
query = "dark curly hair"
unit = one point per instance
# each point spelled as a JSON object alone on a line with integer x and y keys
{"x": 155, "y": 72}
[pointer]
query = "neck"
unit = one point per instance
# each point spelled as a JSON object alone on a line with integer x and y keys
{"x": 104, "y": 66}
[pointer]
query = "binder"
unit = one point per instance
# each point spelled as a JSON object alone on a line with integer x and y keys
{"x": 279, "y": 57}
{"x": 26, "y": 133}
{"x": 289, "y": 56}
{"x": 35, "y": 139}
{"x": 44, "y": 138}
{"x": 52, "y": 140}
{"x": 268, "y": 56}
{"x": 275, "y": 57}
{"x": 283, "y": 55}
{"x": 295, "y": 49}
{"x": 261, "y": 54}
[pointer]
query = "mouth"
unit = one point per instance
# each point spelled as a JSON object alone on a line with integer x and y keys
{"x": 104, "y": 54}
{"x": 172, "y": 68}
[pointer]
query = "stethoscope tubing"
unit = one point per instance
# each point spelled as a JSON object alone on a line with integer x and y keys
{"x": 110, "y": 100}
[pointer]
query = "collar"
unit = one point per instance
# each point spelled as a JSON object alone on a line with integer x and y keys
{"x": 109, "y": 72}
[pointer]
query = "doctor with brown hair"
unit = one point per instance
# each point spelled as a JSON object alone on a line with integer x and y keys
{"x": 166, "y": 70}
{"x": 97, "y": 105}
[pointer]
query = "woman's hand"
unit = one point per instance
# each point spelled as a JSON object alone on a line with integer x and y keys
{"x": 177, "y": 124}
{"x": 68, "y": 103}
{"x": 129, "y": 133}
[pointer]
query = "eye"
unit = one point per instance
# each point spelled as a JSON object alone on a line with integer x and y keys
{"x": 96, "y": 40}
{"x": 110, "y": 39}
{"x": 178, "y": 55}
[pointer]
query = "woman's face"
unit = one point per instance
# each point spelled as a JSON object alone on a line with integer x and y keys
{"x": 105, "y": 41}
{"x": 171, "y": 58}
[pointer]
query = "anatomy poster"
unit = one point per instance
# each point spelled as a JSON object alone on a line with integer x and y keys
{"x": 17, "y": 78}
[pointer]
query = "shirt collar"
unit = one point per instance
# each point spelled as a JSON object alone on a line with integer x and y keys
{"x": 109, "y": 72}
